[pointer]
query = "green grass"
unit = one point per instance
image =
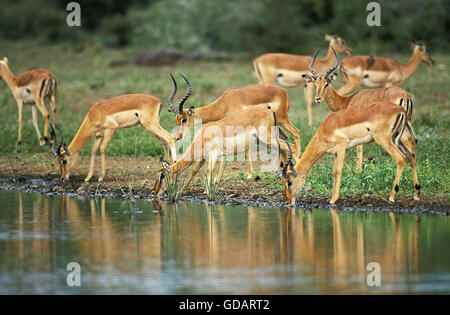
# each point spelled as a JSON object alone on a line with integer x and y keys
{"x": 79, "y": 75}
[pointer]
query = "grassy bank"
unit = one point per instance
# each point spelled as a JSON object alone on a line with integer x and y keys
{"x": 85, "y": 78}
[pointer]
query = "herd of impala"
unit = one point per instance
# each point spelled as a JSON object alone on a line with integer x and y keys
{"x": 382, "y": 115}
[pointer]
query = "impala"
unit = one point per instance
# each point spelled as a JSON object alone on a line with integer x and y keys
{"x": 336, "y": 102}
{"x": 371, "y": 72}
{"x": 103, "y": 119}
{"x": 233, "y": 101}
{"x": 31, "y": 88}
{"x": 382, "y": 122}
{"x": 286, "y": 69}
{"x": 214, "y": 140}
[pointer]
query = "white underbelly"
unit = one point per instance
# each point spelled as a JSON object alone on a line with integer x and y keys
{"x": 363, "y": 140}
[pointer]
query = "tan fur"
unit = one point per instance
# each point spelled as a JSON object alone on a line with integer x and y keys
{"x": 238, "y": 99}
{"x": 286, "y": 69}
{"x": 383, "y": 72}
{"x": 207, "y": 146}
{"x": 336, "y": 102}
{"x": 382, "y": 122}
{"x": 32, "y": 87}
{"x": 104, "y": 118}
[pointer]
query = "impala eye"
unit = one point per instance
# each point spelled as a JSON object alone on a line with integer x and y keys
{"x": 289, "y": 184}
{"x": 183, "y": 120}
{"x": 64, "y": 162}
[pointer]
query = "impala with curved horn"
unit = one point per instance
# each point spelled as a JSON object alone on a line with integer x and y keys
{"x": 233, "y": 101}
{"x": 372, "y": 72}
{"x": 336, "y": 102}
{"x": 347, "y": 128}
{"x": 103, "y": 119}
{"x": 213, "y": 141}
{"x": 32, "y": 88}
{"x": 286, "y": 69}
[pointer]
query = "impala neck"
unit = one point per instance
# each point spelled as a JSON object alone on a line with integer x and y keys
{"x": 410, "y": 67}
{"x": 334, "y": 100}
{"x": 329, "y": 58}
{"x": 312, "y": 153}
{"x": 212, "y": 112}
{"x": 8, "y": 76}
{"x": 83, "y": 135}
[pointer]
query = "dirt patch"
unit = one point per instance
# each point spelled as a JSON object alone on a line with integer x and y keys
{"x": 40, "y": 174}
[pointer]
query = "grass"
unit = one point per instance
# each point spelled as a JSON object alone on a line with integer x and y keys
{"x": 85, "y": 78}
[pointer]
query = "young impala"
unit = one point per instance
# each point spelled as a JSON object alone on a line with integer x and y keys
{"x": 286, "y": 69}
{"x": 103, "y": 119}
{"x": 336, "y": 102}
{"x": 31, "y": 88}
{"x": 372, "y": 72}
{"x": 382, "y": 122}
{"x": 214, "y": 140}
{"x": 233, "y": 101}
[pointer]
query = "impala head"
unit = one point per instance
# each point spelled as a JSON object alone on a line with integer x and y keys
{"x": 184, "y": 116}
{"x": 338, "y": 44}
{"x": 321, "y": 81}
{"x": 61, "y": 152}
{"x": 422, "y": 51}
{"x": 165, "y": 168}
{"x": 288, "y": 175}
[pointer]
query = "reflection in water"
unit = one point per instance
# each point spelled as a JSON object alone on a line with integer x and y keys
{"x": 200, "y": 248}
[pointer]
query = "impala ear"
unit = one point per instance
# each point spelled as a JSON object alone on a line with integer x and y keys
{"x": 308, "y": 78}
{"x": 191, "y": 111}
{"x": 328, "y": 37}
{"x": 5, "y": 59}
{"x": 332, "y": 77}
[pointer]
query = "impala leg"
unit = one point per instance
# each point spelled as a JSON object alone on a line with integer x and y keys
{"x": 338, "y": 166}
{"x": 197, "y": 167}
{"x": 167, "y": 140}
{"x": 209, "y": 172}
{"x": 249, "y": 163}
{"x": 53, "y": 107}
{"x": 359, "y": 163}
{"x": 35, "y": 122}
{"x": 108, "y": 135}
{"x": 20, "y": 119}
{"x": 400, "y": 159}
{"x": 44, "y": 112}
{"x": 94, "y": 149}
{"x": 309, "y": 91}
{"x": 415, "y": 178}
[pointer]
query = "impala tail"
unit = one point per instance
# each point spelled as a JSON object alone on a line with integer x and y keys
{"x": 397, "y": 132}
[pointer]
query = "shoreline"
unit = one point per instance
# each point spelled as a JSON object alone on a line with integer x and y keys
{"x": 360, "y": 203}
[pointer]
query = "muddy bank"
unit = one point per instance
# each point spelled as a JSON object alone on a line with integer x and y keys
{"x": 49, "y": 185}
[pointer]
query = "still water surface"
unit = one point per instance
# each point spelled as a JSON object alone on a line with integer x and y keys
{"x": 194, "y": 248}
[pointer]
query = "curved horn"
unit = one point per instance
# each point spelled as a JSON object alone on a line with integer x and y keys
{"x": 188, "y": 93}
{"x": 314, "y": 73}
{"x": 173, "y": 109}
{"x": 336, "y": 64}
{"x": 289, "y": 160}
{"x": 61, "y": 136}
{"x": 53, "y": 136}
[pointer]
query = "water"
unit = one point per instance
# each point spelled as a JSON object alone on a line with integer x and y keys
{"x": 194, "y": 248}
